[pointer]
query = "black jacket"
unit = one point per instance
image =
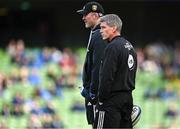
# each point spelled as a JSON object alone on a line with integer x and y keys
{"x": 118, "y": 69}
{"x": 92, "y": 63}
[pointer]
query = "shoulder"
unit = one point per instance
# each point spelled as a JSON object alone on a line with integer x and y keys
{"x": 96, "y": 38}
{"x": 116, "y": 44}
{"x": 111, "y": 47}
{"x": 123, "y": 43}
{"x": 119, "y": 41}
{"x": 96, "y": 34}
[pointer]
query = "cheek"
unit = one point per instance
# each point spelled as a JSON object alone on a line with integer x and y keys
{"x": 106, "y": 31}
{"x": 89, "y": 19}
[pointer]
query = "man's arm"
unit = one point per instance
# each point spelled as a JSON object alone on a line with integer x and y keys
{"x": 98, "y": 49}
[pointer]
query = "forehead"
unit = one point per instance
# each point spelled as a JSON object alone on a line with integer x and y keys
{"x": 89, "y": 14}
{"x": 103, "y": 24}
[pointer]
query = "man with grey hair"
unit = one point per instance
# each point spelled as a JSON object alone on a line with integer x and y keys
{"x": 117, "y": 77}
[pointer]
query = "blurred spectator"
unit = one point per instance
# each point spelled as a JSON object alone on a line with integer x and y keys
{"x": 11, "y": 49}
{"x": 67, "y": 60}
{"x": 176, "y": 59}
{"x": 48, "y": 109}
{"x": 45, "y": 55}
{"x": 42, "y": 93}
{"x": 140, "y": 57}
{"x": 58, "y": 82}
{"x": 56, "y": 55}
{"x": 57, "y": 122}
{"x": 24, "y": 74}
{"x": 78, "y": 106}
{"x": 51, "y": 74}
{"x": 3, "y": 83}
{"x": 172, "y": 111}
{"x": 52, "y": 122}
{"x": 69, "y": 67}
{"x": 169, "y": 93}
{"x": 3, "y": 125}
{"x": 6, "y": 110}
{"x": 20, "y": 53}
{"x": 17, "y": 105}
{"x": 35, "y": 108}
{"x": 34, "y": 77}
{"x": 45, "y": 94}
{"x": 150, "y": 93}
{"x": 164, "y": 93}
{"x": 15, "y": 75}
{"x": 168, "y": 73}
{"x": 17, "y": 110}
{"x": 150, "y": 66}
{"x": 18, "y": 99}
{"x": 47, "y": 122}
{"x": 34, "y": 122}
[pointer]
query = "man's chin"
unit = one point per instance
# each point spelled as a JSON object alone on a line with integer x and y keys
{"x": 87, "y": 26}
{"x": 104, "y": 38}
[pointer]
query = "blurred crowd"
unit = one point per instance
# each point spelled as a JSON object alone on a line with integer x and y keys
{"x": 164, "y": 61}
{"x": 42, "y": 73}
{"x": 160, "y": 58}
{"x": 160, "y": 64}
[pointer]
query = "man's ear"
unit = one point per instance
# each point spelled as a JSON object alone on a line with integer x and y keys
{"x": 114, "y": 28}
{"x": 96, "y": 15}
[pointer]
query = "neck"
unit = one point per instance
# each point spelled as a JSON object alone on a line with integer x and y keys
{"x": 113, "y": 36}
{"x": 96, "y": 23}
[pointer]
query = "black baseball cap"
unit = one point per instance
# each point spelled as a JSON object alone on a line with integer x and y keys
{"x": 91, "y": 7}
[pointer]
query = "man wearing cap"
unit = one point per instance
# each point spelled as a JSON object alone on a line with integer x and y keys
{"x": 91, "y": 12}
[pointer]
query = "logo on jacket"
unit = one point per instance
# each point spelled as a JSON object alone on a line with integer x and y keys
{"x": 130, "y": 61}
{"x": 128, "y": 46}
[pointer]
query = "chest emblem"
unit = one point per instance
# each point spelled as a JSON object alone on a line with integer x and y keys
{"x": 130, "y": 61}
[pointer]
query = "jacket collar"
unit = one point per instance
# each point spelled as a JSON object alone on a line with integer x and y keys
{"x": 96, "y": 28}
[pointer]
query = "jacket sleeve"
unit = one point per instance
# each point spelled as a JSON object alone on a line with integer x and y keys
{"x": 108, "y": 71}
{"x": 98, "y": 49}
{"x": 85, "y": 77}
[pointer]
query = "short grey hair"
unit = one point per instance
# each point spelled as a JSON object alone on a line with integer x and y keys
{"x": 112, "y": 20}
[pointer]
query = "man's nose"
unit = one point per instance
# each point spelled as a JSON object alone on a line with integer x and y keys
{"x": 83, "y": 18}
